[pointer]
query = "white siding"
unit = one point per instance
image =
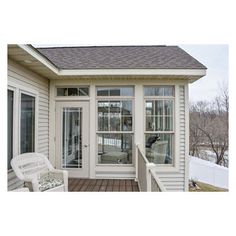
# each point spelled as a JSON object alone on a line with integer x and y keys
{"x": 175, "y": 181}
{"x": 23, "y": 78}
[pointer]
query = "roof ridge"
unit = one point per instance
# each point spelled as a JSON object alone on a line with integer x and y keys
{"x": 104, "y": 46}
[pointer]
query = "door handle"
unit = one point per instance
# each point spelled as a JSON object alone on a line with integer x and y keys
{"x": 86, "y": 145}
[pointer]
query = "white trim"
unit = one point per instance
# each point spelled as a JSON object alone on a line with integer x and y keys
{"x": 18, "y": 90}
{"x": 92, "y": 134}
{"x": 35, "y": 118}
{"x": 62, "y": 72}
{"x": 132, "y": 132}
{"x": 34, "y": 53}
{"x": 175, "y": 72}
{"x": 166, "y": 167}
{"x": 15, "y": 143}
{"x": 186, "y": 172}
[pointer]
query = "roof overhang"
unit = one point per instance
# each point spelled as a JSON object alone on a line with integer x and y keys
{"x": 43, "y": 66}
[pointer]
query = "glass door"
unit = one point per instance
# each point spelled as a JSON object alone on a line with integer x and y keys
{"x": 72, "y": 138}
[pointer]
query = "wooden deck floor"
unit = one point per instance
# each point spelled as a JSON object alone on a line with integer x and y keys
{"x": 102, "y": 185}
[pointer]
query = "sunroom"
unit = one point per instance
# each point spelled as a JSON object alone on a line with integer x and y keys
{"x": 103, "y": 112}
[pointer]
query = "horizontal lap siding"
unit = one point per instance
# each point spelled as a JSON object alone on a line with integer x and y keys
{"x": 29, "y": 80}
{"x": 176, "y": 181}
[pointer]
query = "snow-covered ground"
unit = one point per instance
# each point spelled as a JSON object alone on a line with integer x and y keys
{"x": 208, "y": 172}
{"x": 208, "y": 155}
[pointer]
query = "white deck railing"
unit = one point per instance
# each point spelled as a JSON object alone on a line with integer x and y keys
{"x": 148, "y": 180}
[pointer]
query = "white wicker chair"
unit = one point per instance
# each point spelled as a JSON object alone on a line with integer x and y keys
{"x": 38, "y": 173}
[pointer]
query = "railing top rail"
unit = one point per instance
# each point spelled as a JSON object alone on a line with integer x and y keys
{"x": 158, "y": 181}
{"x": 142, "y": 154}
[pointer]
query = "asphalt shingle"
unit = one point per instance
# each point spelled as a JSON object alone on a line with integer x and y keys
{"x": 121, "y": 57}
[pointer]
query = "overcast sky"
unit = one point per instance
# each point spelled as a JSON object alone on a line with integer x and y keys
{"x": 214, "y": 57}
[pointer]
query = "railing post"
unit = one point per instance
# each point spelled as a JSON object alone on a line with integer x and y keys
{"x": 136, "y": 161}
{"x": 148, "y": 176}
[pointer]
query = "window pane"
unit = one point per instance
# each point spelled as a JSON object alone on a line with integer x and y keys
{"x": 153, "y": 91}
{"x": 102, "y": 92}
{"x": 62, "y": 92}
{"x": 150, "y": 123}
{"x": 10, "y": 100}
{"x": 149, "y": 107}
{"x": 126, "y": 108}
{"x": 159, "y": 123}
{"x": 115, "y": 122}
{"x": 115, "y": 107}
{"x": 126, "y": 123}
{"x": 127, "y": 91}
{"x": 159, "y": 108}
{"x": 73, "y": 92}
{"x": 72, "y": 138}
{"x": 115, "y": 148}
{"x": 115, "y": 91}
{"x": 27, "y": 127}
{"x": 168, "y": 123}
{"x": 159, "y": 91}
{"x": 83, "y": 91}
{"x": 103, "y": 107}
{"x": 103, "y": 122}
{"x": 159, "y": 148}
{"x": 169, "y": 91}
{"x": 168, "y": 104}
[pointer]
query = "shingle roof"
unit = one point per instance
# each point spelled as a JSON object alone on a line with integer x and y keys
{"x": 121, "y": 57}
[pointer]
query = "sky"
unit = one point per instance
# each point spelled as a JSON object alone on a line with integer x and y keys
{"x": 213, "y": 56}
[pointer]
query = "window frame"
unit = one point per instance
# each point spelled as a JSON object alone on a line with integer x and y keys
{"x": 132, "y": 132}
{"x": 17, "y": 91}
{"x": 173, "y": 98}
{"x": 35, "y": 119}
{"x": 72, "y": 86}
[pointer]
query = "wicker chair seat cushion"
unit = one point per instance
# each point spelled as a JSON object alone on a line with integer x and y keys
{"x": 49, "y": 181}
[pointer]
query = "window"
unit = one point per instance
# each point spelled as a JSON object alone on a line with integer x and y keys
{"x": 115, "y": 125}
{"x": 73, "y": 91}
{"x": 21, "y": 119}
{"x": 159, "y": 124}
{"x": 10, "y": 102}
{"x": 27, "y": 124}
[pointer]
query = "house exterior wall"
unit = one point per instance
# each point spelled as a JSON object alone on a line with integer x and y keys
{"x": 21, "y": 79}
{"x": 174, "y": 178}
{"x": 178, "y": 180}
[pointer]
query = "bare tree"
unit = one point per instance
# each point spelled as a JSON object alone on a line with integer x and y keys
{"x": 209, "y": 126}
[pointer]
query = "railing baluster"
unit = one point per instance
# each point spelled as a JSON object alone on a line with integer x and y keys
{"x": 148, "y": 180}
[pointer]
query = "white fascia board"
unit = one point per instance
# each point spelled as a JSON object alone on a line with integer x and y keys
{"x": 185, "y": 72}
{"x": 86, "y": 72}
{"x": 34, "y": 53}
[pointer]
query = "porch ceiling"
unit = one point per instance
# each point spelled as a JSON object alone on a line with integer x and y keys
{"x": 33, "y": 60}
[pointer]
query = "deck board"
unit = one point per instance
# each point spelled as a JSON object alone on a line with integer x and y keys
{"x": 102, "y": 185}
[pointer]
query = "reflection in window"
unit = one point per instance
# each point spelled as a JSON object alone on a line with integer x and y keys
{"x": 159, "y": 148}
{"x": 159, "y": 91}
{"x": 27, "y": 124}
{"x": 115, "y": 115}
{"x": 73, "y": 91}
{"x": 159, "y": 115}
{"x": 115, "y": 148}
{"x": 72, "y": 138}
{"x": 159, "y": 119}
{"x": 115, "y": 91}
{"x": 115, "y": 125}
